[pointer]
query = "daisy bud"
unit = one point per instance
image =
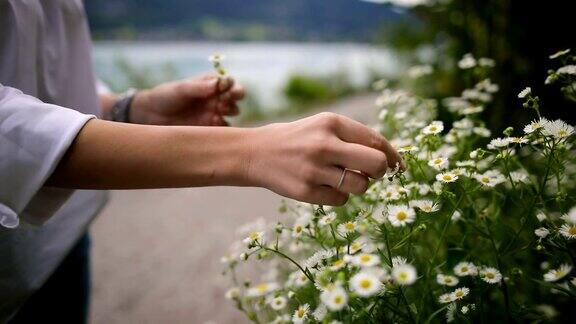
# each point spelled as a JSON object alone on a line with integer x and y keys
{"x": 244, "y": 256}
{"x": 279, "y": 228}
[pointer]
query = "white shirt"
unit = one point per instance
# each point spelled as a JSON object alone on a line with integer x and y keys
{"x": 47, "y": 94}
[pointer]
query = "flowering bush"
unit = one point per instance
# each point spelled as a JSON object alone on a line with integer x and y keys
{"x": 476, "y": 229}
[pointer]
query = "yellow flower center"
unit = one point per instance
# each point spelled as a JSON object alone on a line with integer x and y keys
{"x": 262, "y": 287}
{"x": 490, "y": 275}
{"x": 464, "y": 269}
{"x": 485, "y": 179}
{"x": 349, "y": 226}
{"x": 437, "y": 161}
{"x": 338, "y": 300}
{"x": 401, "y": 216}
{"x": 459, "y": 294}
{"x": 365, "y": 283}
{"x": 403, "y": 276}
{"x": 433, "y": 129}
{"x": 448, "y": 280}
{"x": 572, "y": 230}
{"x": 447, "y": 177}
{"x": 301, "y": 312}
{"x": 298, "y": 229}
{"x": 365, "y": 258}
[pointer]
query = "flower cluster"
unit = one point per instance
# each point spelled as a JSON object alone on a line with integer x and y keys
{"x": 478, "y": 228}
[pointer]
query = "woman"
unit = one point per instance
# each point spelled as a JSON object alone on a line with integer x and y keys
{"x": 56, "y": 158}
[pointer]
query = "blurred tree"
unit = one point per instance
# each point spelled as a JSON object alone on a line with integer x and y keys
{"x": 518, "y": 34}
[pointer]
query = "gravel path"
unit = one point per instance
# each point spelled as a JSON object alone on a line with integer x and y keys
{"x": 156, "y": 253}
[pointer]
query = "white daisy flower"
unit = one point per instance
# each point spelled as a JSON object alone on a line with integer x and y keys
{"x": 232, "y": 293}
{"x": 318, "y": 257}
{"x": 525, "y": 92}
{"x": 559, "y": 53}
{"x": 518, "y": 140}
{"x": 320, "y": 312}
{"x": 466, "y": 164}
{"x": 446, "y": 177}
{"x": 404, "y": 274}
{"x": 427, "y": 206}
{"x": 446, "y": 280}
{"x": 400, "y": 215}
{"x": 438, "y": 163}
{"x": 460, "y": 293}
{"x": 446, "y": 298}
{"x": 557, "y": 274}
{"x": 436, "y": 127}
{"x": 348, "y": 227}
{"x": 541, "y": 216}
{"x": 456, "y": 216}
{"x": 419, "y": 71}
{"x": 535, "y": 125}
{"x": 382, "y": 114}
{"x": 571, "y": 216}
{"x": 409, "y": 148}
{"x": 335, "y": 298}
{"x": 490, "y": 275}
{"x": 541, "y": 232}
{"x": 390, "y": 194}
{"x": 490, "y": 178}
{"x": 557, "y": 129}
{"x": 472, "y": 109}
{"x": 486, "y": 62}
{"x": 278, "y": 303}
{"x": 301, "y": 314}
{"x": 365, "y": 260}
{"x": 568, "y": 231}
{"x": 365, "y": 284}
{"x": 482, "y": 131}
{"x": 567, "y": 69}
{"x": 519, "y": 176}
{"x": 254, "y": 237}
{"x": 261, "y": 289}
{"x": 380, "y": 85}
{"x": 498, "y": 143}
{"x": 398, "y": 261}
{"x": 327, "y": 219}
{"x": 463, "y": 269}
{"x": 467, "y": 62}
{"x": 216, "y": 58}
{"x": 337, "y": 265}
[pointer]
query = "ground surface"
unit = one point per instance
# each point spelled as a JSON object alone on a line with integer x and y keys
{"x": 156, "y": 253}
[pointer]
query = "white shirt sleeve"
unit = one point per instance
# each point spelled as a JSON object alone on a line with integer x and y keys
{"x": 33, "y": 138}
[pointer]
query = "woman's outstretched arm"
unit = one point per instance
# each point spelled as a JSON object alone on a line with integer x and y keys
{"x": 302, "y": 160}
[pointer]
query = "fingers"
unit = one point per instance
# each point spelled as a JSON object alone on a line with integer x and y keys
{"x": 325, "y": 195}
{"x": 352, "y": 182}
{"x": 352, "y": 131}
{"x": 371, "y": 162}
{"x": 218, "y": 120}
{"x": 203, "y": 87}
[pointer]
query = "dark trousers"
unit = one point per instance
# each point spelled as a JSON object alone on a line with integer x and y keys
{"x": 65, "y": 297}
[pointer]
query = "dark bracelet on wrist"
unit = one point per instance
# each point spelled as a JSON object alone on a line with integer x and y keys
{"x": 121, "y": 110}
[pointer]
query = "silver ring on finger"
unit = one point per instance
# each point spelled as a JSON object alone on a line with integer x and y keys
{"x": 341, "y": 179}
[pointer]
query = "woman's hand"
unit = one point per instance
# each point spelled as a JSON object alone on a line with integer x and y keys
{"x": 305, "y": 159}
{"x": 200, "y": 101}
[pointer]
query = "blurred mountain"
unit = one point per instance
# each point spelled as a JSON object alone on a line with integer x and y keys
{"x": 304, "y": 20}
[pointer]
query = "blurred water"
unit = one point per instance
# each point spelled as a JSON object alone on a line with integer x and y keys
{"x": 263, "y": 67}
